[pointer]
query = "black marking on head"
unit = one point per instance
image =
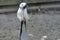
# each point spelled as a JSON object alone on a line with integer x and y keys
{"x": 25, "y": 7}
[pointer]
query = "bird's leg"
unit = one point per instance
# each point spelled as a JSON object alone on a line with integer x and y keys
{"x": 25, "y": 25}
{"x": 21, "y": 29}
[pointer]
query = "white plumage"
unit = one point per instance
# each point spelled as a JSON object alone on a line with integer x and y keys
{"x": 22, "y": 13}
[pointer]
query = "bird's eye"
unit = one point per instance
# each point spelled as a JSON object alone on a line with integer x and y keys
{"x": 22, "y": 4}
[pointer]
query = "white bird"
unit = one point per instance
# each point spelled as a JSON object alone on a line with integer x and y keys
{"x": 22, "y": 15}
{"x": 22, "y": 12}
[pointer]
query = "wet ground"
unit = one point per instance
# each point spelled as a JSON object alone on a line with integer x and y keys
{"x": 39, "y": 25}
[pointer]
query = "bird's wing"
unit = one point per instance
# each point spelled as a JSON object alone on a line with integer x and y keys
{"x": 20, "y": 18}
{"x": 26, "y": 14}
{"x": 19, "y": 14}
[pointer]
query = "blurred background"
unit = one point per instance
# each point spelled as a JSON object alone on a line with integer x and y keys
{"x": 12, "y": 5}
{"x": 44, "y": 19}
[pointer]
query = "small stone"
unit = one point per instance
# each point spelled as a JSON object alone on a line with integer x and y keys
{"x": 58, "y": 39}
{"x": 44, "y": 36}
{"x": 30, "y": 35}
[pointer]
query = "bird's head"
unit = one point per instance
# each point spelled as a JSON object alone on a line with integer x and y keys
{"x": 23, "y": 5}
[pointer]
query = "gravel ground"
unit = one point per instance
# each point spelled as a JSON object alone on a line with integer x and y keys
{"x": 39, "y": 25}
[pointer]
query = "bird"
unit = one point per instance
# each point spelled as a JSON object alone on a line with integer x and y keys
{"x": 22, "y": 15}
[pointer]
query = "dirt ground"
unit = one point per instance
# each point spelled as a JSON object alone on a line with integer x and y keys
{"x": 39, "y": 25}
